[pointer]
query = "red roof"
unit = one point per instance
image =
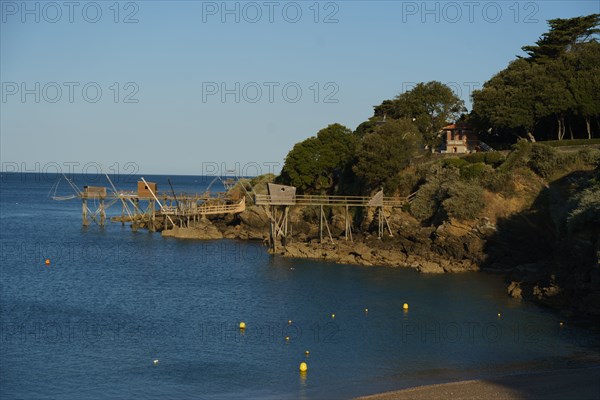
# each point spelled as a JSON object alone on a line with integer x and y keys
{"x": 460, "y": 125}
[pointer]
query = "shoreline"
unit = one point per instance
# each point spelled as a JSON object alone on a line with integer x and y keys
{"x": 374, "y": 253}
{"x": 582, "y": 382}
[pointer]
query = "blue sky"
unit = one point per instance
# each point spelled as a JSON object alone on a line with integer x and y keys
{"x": 181, "y": 86}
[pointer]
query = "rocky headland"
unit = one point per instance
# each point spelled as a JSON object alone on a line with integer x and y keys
{"x": 530, "y": 236}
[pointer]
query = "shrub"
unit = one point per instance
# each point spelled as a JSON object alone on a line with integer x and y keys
{"x": 474, "y": 171}
{"x": 446, "y": 196}
{"x": 518, "y": 157}
{"x": 455, "y": 162}
{"x": 544, "y": 160}
{"x": 499, "y": 182}
{"x": 426, "y": 203}
{"x": 464, "y": 201}
{"x": 494, "y": 158}
{"x": 589, "y": 156}
{"x": 475, "y": 158}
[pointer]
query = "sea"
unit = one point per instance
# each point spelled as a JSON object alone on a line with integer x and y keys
{"x": 119, "y": 314}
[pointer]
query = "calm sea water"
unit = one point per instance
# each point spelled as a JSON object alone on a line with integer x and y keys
{"x": 112, "y": 301}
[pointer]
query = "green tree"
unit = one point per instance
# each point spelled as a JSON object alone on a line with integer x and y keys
{"x": 584, "y": 82}
{"x": 565, "y": 35}
{"x": 508, "y": 100}
{"x": 316, "y": 163}
{"x": 555, "y": 98}
{"x": 557, "y": 85}
{"x": 429, "y": 105}
{"x": 381, "y": 155}
{"x": 367, "y": 127}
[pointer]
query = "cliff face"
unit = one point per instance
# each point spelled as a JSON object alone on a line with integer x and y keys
{"x": 550, "y": 251}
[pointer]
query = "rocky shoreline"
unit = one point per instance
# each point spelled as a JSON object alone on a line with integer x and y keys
{"x": 362, "y": 253}
{"x": 449, "y": 248}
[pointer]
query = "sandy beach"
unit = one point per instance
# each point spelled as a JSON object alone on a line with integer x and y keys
{"x": 576, "y": 384}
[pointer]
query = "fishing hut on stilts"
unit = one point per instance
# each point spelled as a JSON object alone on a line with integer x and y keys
{"x": 280, "y": 198}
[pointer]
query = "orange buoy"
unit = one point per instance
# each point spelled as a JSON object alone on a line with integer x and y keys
{"x": 47, "y": 261}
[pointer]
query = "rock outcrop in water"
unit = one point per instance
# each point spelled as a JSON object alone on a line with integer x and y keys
{"x": 451, "y": 247}
{"x": 202, "y": 230}
{"x": 427, "y": 250}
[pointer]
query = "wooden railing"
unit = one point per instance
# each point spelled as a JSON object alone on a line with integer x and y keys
{"x": 205, "y": 209}
{"x": 309, "y": 200}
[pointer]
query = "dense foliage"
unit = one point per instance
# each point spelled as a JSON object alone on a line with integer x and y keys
{"x": 447, "y": 195}
{"x": 316, "y": 163}
{"x": 382, "y": 154}
{"x": 554, "y": 91}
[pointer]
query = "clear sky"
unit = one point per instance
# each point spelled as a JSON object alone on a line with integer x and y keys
{"x": 197, "y": 87}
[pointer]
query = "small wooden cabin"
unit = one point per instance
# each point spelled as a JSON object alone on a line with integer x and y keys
{"x": 94, "y": 192}
{"x": 143, "y": 190}
{"x": 282, "y": 194}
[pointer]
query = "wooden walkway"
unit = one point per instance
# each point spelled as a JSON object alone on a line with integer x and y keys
{"x": 280, "y": 198}
{"x": 350, "y": 201}
{"x": 205, "y": 209}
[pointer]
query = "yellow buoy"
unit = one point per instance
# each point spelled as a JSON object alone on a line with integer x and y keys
{"x": 405, "y": 306}
{"x": 242, "y": 325}
{"x": 332, "y": 315}
{"x": 303, "y": 367}
{"x": 155, "y": 362}
{"x": 499, "y": 315}
{"x": 289, "y": 321}
{"x": 366, "y": 310}
{"x": 561, "y": 323}
{"x": 47, "y": 261}
{"x": 307, "y": 353}
{"x": 287, "y": 338}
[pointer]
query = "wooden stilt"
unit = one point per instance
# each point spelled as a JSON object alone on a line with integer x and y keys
{"x": 152, "y": 215}
{"x": 387, "y": 223}
{"x": 102, "y": 212}
{"x": 321, "y": 224}
{"x": 348, "y": 224}
{"x": 84, "y": 212}
{"x": 136, "y": 217}
{"x": 273, "y": 228}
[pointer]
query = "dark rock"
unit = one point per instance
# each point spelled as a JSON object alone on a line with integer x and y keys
{"x": 515, "y": 291}
{"x": 202, "y": 230}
